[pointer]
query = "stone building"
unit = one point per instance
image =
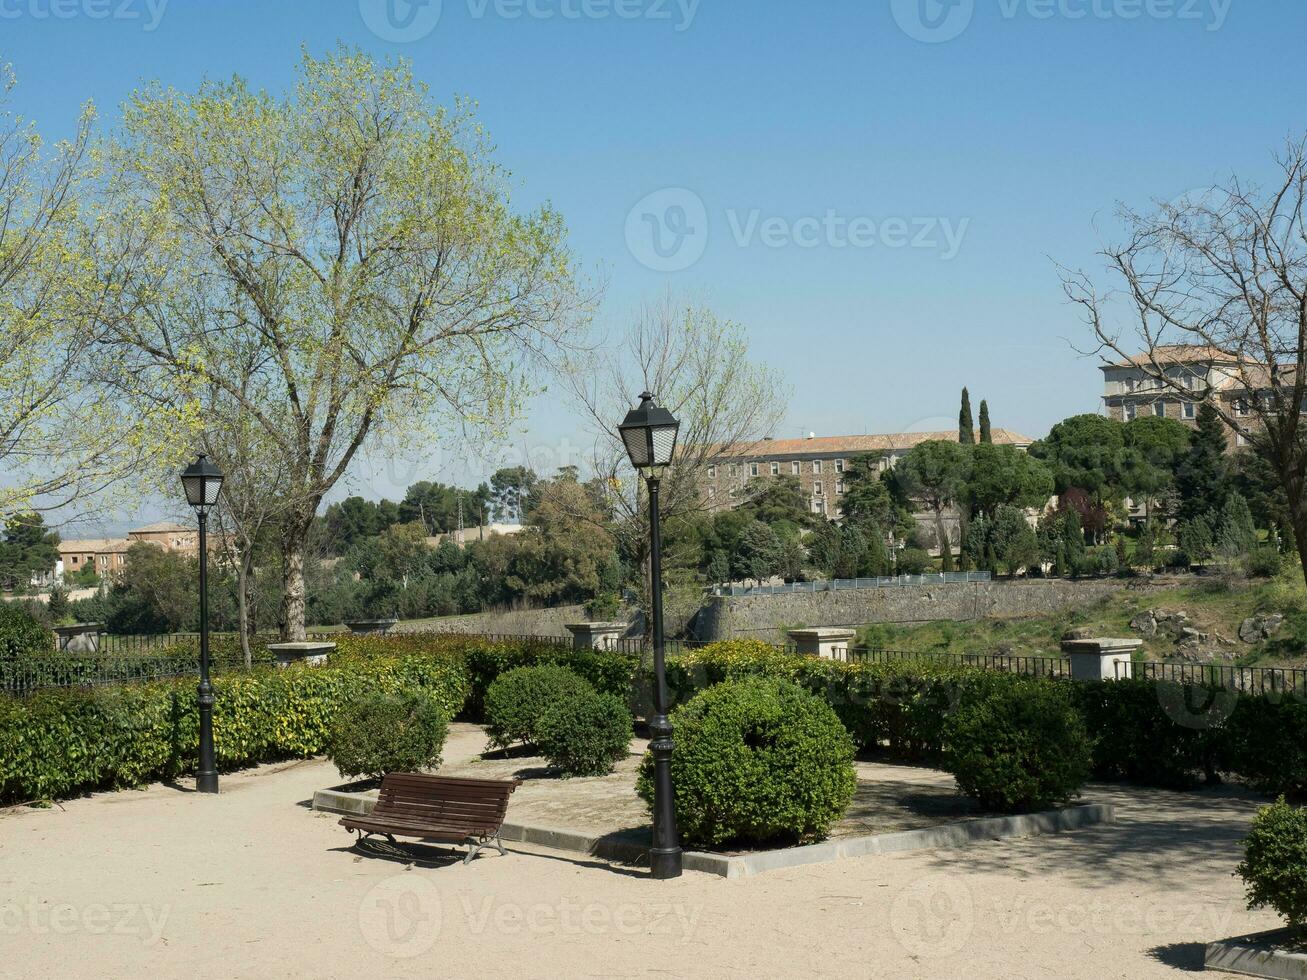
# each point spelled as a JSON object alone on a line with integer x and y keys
{"x": 1130, "y": 389}
{"x": 108, "y": 556}
{"x": 819, "y": 464}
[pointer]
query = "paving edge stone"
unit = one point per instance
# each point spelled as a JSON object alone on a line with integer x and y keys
{"x": 615, "y": 848}
{"x": 1258, "y": 955}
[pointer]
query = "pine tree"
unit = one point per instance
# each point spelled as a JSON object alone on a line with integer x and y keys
{"x": 1202, "y": 479}
{"x": 1238, "y": 533}
{"x": 945, "y": 554}
{"x": 986, "y": 433}
{"x": 966, "y": 431}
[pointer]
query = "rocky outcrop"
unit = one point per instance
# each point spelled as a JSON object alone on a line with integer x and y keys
{"x": 1254, "y": 629}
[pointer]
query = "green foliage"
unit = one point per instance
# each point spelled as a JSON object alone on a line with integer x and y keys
{"x": 583, "y": 733}
{"x": 1274, "y": 867}
{"x": 1196, "y": 540}
{"x": 1237, "y": 536}
{"x": 21, "y": 634}
{"x": 1265, "y": 563}
{"x": 517, "y": 700}
{"x": 1012, "y": 540}
{"x": 1265, "y": 742}
{"x": 26, "y": 548}
{"x": 1084, "y": 452}
{"x": 966, "y": 431}
{"x": 383, "y": 732}
{"x": 914, "y": 561}
{"x": 1202, "y": 476}
{"x": 1019, "y": 747}
{"x": 986, "y": 431}
{"x": 757, "y": 761}
{"x": 1007, "y": 476}
{"x": 61, "y": 742}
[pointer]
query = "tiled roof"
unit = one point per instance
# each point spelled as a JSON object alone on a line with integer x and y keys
{"x": 1178, "y": 354}
{"x": 99, "y": 546}
{"x": 857, "y": 444}
{"x": 160, "y": 527}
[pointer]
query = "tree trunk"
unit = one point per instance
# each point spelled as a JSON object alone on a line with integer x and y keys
{"x": 244, "y": 594}
{"x": 295, "y": 534}
{"x": 1293, "y": 486}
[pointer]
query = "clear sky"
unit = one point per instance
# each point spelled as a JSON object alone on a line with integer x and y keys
{"x": 876, "y": 189}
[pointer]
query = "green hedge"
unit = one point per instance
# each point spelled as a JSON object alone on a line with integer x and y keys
{"x": 66, "y": 741}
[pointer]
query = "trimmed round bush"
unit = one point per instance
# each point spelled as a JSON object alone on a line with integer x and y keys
{"x": 516, "y": 701}
{"x": 757, "y": 761}
{"x": 379, "y": 733}
{"x": 1275, "y": 862}
{"x": 585, "y": 733}
{"x": 1018, "y": 745}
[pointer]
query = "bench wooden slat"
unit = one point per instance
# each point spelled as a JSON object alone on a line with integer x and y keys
{"x": 444, "y": 808}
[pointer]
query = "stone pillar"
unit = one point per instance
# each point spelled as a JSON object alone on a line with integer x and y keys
{"x": 1100, "y": 659}
{"x": 596, "y": 636}
{"x": 307, "y": 651}
{"x": 79, "y": 638}
{"x": 823, "y": 641}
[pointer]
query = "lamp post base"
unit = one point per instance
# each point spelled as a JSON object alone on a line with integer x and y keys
{"x": 206, "y": 782}
{"x": 664, "y": 864}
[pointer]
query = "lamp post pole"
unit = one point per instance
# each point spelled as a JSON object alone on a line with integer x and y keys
{"x": 665, "y": 855}
{"x": 206, "y": 780}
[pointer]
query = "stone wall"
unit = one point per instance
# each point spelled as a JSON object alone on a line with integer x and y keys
{"x": 517, "y": 622}
{"x": 765, "y": 617}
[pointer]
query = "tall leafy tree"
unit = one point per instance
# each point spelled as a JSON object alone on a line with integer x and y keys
{"x": 27, "y": 547}
{"x": 351, "y": 238}
{"x": 966, "y": 428}
{"x": 1005, "y": 475}
{"x": 1154, "y": 448}
{"x": 986, "y": 432}
{"x": 1084, "y": 452}
{"x": 510, "y": 490}
{"x": 935, "y": 473}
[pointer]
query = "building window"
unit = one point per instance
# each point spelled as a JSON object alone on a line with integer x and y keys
{"x": 1239, "y": 439}
{"x": 1159, "y": 409}
{"x": 816, "y": 467}
{"x": 1129, "y": 413}
{"x": 816, "y": 489}
{"x": 753, "y": 469}
{"x": 839, "y": 466}
{"x": 1190, "y": 410}
{"x": 775, "y": 469}
{"x": 712, "y": 472}
{"x": 712, "y": 493}
{"x": 839, "y": 486}
{"x": 1240, "y": 407}
{"x": 794, "y": 468}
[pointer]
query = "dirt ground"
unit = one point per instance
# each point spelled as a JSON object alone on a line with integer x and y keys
{"x": 166, "y": 883}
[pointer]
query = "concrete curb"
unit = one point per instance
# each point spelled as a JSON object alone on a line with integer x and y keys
{"x": 1259, "y": 955}
{"x": 630, "y": 849}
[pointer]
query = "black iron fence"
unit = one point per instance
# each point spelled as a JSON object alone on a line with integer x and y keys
{"x": 1032, "y": 666}
{"x": 1249, "y": 680}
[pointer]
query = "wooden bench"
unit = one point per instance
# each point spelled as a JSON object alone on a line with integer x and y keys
{"x": 438, "y": 808}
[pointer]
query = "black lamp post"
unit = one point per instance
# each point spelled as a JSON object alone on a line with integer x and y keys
{"x": 202, "y": 482}
{"x": 649, "y": 434}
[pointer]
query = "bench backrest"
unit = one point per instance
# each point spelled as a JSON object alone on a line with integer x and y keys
{"x": 445, "y": 799}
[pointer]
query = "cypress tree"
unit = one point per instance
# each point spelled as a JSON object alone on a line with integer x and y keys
{"x": 1202, "y": 479}
{"x": 966, "y": 431}
{"x": 986, "y": 434}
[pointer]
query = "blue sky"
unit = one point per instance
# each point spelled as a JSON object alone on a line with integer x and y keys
{"x": 966, "y": 162}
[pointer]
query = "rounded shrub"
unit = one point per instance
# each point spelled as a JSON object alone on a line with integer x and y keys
{"x": 1017, "y": 745}
{"x": 381, "y": 732}
{"x": 757, "y": 761}
{"x": 1274, "y": 867}
{"x": 584, "y": 733}
{"x": 21, "y": 633}
{"x": 517, "y": 699}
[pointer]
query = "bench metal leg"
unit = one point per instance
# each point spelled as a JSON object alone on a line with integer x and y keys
{"x": 474, "y": 847}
